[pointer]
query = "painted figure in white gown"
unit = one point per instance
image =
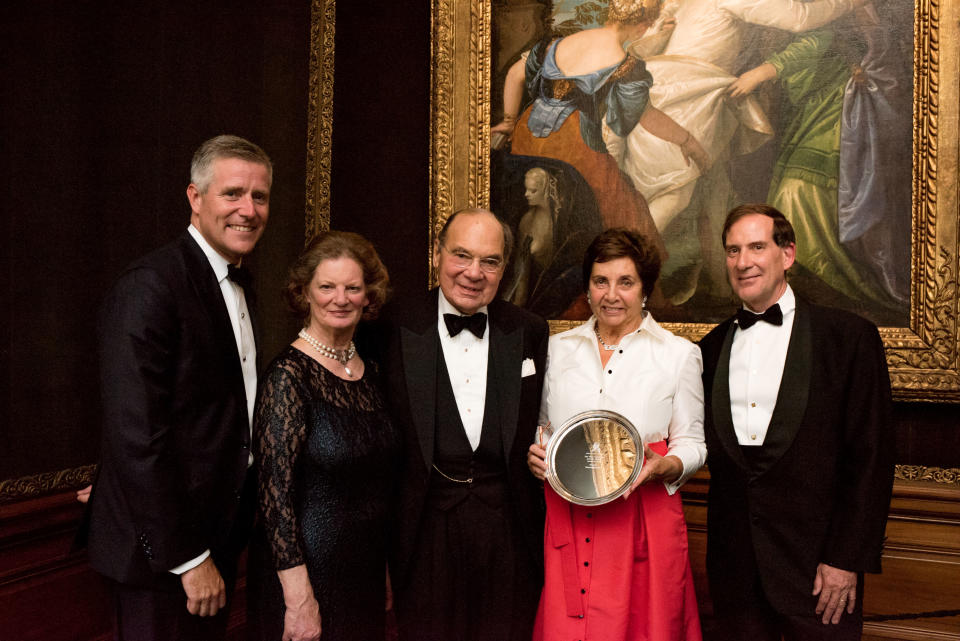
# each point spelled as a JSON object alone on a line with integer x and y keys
{"x": 692, "y": 73}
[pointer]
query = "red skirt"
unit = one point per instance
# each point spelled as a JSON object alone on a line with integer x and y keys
{"x": 618, "y": 572}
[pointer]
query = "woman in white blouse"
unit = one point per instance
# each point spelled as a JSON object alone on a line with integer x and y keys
{"x": 622, "y": 570}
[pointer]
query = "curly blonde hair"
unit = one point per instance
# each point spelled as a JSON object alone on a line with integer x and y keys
{"x": 633, "y": 11}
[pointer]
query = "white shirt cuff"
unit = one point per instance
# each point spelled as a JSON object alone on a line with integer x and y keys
{"x": 192, "y": 563}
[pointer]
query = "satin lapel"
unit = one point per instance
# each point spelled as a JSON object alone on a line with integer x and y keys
{"x": 720, "y": 403}
{"x": 419, "y": 347}
{"x": 794, "y": 392}
{"x": 204, "y": 281}
{"x": 503, "y": 376}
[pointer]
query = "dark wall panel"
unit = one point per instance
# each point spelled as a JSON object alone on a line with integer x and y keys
{"x": 103, "y": 108}
{"x": 381, "y": 134}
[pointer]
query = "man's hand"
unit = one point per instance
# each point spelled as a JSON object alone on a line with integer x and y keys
{"x": 83, "y": 494}
{"x": 536, "y": 461}
{"x": 206, "y": 592}
{"x": 837, "y": 589}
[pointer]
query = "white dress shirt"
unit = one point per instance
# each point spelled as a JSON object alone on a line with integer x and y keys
{"x": 466, "y": 357}
{"x": 236, "y": 303}
{"x": 653, "y": 379}
{"x": 757, "y": 356}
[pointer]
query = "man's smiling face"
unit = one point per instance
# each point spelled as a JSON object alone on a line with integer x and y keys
{"x": 756, "y": 265}
{"x": 232, "y": 213}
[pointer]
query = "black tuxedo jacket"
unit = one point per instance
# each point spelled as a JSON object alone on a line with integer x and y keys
{"x": 176, "y": 434}
{"x": 821, "y": 490}
{"x": 410, "y": 363}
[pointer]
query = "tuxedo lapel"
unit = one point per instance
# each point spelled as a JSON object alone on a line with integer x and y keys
{"x": 204, "y": 281}
{"x": 503, "y": 374}
{"x": 794, "y": 391}
{"x": 419, "y": 344}
{"x": 720, "y": 404}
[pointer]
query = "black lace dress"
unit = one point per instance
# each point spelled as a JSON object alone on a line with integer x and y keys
{"x": 327, "y": 456}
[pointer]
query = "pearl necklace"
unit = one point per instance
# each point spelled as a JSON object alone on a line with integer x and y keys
{"x": 342, "y": 356}
{"x": 609, "y": 348}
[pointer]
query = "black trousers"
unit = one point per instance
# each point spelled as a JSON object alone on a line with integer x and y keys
{"x": 759, "y": 621}
{"x": 159, "y": 612}
{"x": 471, "y": 579}
{"x": 149, "y": 614}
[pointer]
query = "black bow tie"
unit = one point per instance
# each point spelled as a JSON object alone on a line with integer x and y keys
{"x": 476, "y": 323}
{"x": 746, "y": 318}
{"x": 240, "y": 275}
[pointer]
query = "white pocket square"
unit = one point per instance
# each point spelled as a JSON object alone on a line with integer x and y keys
{"x": 528, "y": 368}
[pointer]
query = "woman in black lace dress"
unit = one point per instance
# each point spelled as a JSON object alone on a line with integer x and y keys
{"x": 327, "y": 453}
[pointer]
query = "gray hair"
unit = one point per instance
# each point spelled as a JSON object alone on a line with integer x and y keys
{"x": 224, "y": 146}
{"x": 504, "y": 227}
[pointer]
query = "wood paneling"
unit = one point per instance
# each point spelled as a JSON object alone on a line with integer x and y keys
{"x": 921, "y": 562}
{"x": 49, "y": 593}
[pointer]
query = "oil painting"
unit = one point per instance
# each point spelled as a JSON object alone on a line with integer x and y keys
{"x": 699, "y": 106}
{"x": 837, "y": 112}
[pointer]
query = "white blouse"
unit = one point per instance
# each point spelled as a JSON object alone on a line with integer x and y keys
{"x": 653, "y": 379}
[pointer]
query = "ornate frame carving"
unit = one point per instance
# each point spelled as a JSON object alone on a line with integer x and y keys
{"x": 320, "y": 116}
{"x": 924, "y": 358}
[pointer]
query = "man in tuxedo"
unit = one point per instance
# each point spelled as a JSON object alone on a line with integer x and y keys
{"x": 797, "y": 425}
{"x": 172, "y": 504}
{"x": 464, "y": 374}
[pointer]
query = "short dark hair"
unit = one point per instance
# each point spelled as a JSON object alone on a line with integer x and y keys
{"x": 783, "y": 234}
{"x": 334, "y": 244}
{"x": 507, "y": 232}
{"x": 620, "y": 242}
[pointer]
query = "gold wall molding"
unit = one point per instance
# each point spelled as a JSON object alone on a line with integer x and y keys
{"x": 937, "y": 475}
{"x": 320, "y": 116}
{"x": 34, "y": 485}
{"x": 924, "y": 357}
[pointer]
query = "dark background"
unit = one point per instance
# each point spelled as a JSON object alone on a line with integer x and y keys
{"x": 102, "y": 107}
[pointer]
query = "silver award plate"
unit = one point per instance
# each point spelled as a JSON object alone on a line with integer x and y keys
{"x": 594, "y": 457}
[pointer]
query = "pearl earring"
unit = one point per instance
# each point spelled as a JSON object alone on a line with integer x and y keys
{"x": 643, "y": 303}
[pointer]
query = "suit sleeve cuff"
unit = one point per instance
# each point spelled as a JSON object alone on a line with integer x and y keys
{"x": 192, "y": 563}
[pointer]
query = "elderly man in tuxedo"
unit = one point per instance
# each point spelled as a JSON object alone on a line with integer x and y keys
{"x": 797, "y": 424}
{"x": 172, "y": 503}
{"x": 464, "y": 374}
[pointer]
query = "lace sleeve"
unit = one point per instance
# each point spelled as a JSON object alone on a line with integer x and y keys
{"x": 279, "y": 432}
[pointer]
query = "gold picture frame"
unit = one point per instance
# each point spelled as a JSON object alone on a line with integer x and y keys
{"x": 923, "y": 356}
{"x": 323, "y": 15}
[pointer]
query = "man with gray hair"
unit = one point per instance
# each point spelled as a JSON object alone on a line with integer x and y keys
{"x": 464, "y": 374}
{"x": 173, "y": 501}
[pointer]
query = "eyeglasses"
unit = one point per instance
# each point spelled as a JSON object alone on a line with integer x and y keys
{"x": 464, "y": 260}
